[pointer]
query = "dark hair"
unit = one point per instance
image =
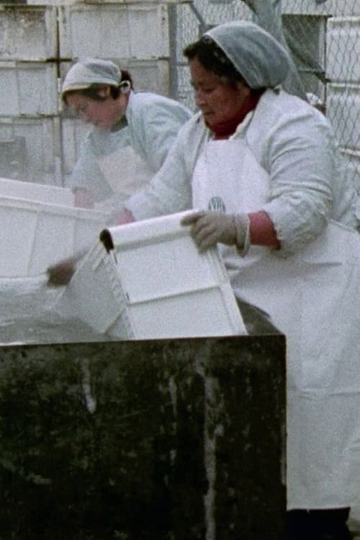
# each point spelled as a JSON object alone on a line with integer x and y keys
{"x": 92, "y": 91}
{"x": 212, "y": 58}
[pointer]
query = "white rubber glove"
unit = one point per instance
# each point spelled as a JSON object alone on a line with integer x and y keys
{"x": 209, "y": 228}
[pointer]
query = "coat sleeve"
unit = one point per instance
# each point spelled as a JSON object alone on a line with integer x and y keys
{"x": 158, "y": 121}
{"x": 300, "y": 161}
{"x": 170, "y": 191}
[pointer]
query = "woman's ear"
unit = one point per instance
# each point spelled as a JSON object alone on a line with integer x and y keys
{"x": 125, "y": 87}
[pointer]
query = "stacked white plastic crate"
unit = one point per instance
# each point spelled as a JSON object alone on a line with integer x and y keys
{"x": 326, "y": 7}
{"x": 343, "y": 93}
{"x": 342, "y": 70}
{"x": 28, "y": 92}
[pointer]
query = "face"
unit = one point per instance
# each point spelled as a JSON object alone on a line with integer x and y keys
{"x": 102, "y": 114}
{"x": 218, "y": 101}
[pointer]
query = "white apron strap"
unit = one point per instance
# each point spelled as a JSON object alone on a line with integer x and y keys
{"x": 228, "y": 178}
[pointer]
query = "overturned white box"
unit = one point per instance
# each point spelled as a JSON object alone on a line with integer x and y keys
{"x": 40, "y": 226}
{"x": 147, "y": 280}
{"x": 36, "y": 192}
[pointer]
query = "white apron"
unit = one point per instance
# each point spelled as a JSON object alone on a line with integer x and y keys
{"x": 313, "y": 298}
{"x": 125, "y": 172}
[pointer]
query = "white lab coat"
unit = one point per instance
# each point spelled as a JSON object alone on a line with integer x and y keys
{"x": 306, "y": 182}
{"x": 114, "y": 164}
{"x": 310, "y": 289}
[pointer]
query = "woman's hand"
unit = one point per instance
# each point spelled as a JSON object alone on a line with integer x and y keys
{"x": 61, "y": 273}
{"x": 125, "y": 217}
{"x": 83, "y": 198}
{"x": 209, "y": 228}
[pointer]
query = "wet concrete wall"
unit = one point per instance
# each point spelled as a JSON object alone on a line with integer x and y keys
{"x": 177, "y": 439}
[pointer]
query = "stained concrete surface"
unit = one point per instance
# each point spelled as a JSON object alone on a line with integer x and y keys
{"x": 174, "y": 439}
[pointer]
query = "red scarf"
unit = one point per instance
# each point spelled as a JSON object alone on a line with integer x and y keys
{"x": 225, "y": 129}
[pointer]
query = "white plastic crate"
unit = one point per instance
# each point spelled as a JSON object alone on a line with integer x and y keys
{"x": 352, "y": 161}
{"x": 42, "y": 144}
{"x": 343, "y": 49}
{"x": 13, "y": 158}
{"x": 36, "y": 192}
{"x": 153, "y": 283}
{"x": 35, "y": 234}
{"x": 343, "y": 111}
{"x": 122, "y": 24}
{"x": 150, "y": 75}
{"x": 327, "y": 7}
{"x": 28, "y": 88}
{"x": 28, "y": 32}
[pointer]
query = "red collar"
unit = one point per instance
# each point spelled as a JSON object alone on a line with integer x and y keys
{"x": 228, "y": 128}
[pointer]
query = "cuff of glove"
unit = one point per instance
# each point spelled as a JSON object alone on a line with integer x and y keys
{"x": 242, "y": 228}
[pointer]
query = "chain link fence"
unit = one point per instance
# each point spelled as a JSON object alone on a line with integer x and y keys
{"x": 323, "y": 37}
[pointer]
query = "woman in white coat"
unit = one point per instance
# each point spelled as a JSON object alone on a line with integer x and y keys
{"x": 261, "y": 168}
{"x": 131, "y": 135}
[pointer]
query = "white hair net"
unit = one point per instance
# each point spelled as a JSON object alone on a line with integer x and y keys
{"x": 91, "y": 71}
{"x": 256, "y": 55}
